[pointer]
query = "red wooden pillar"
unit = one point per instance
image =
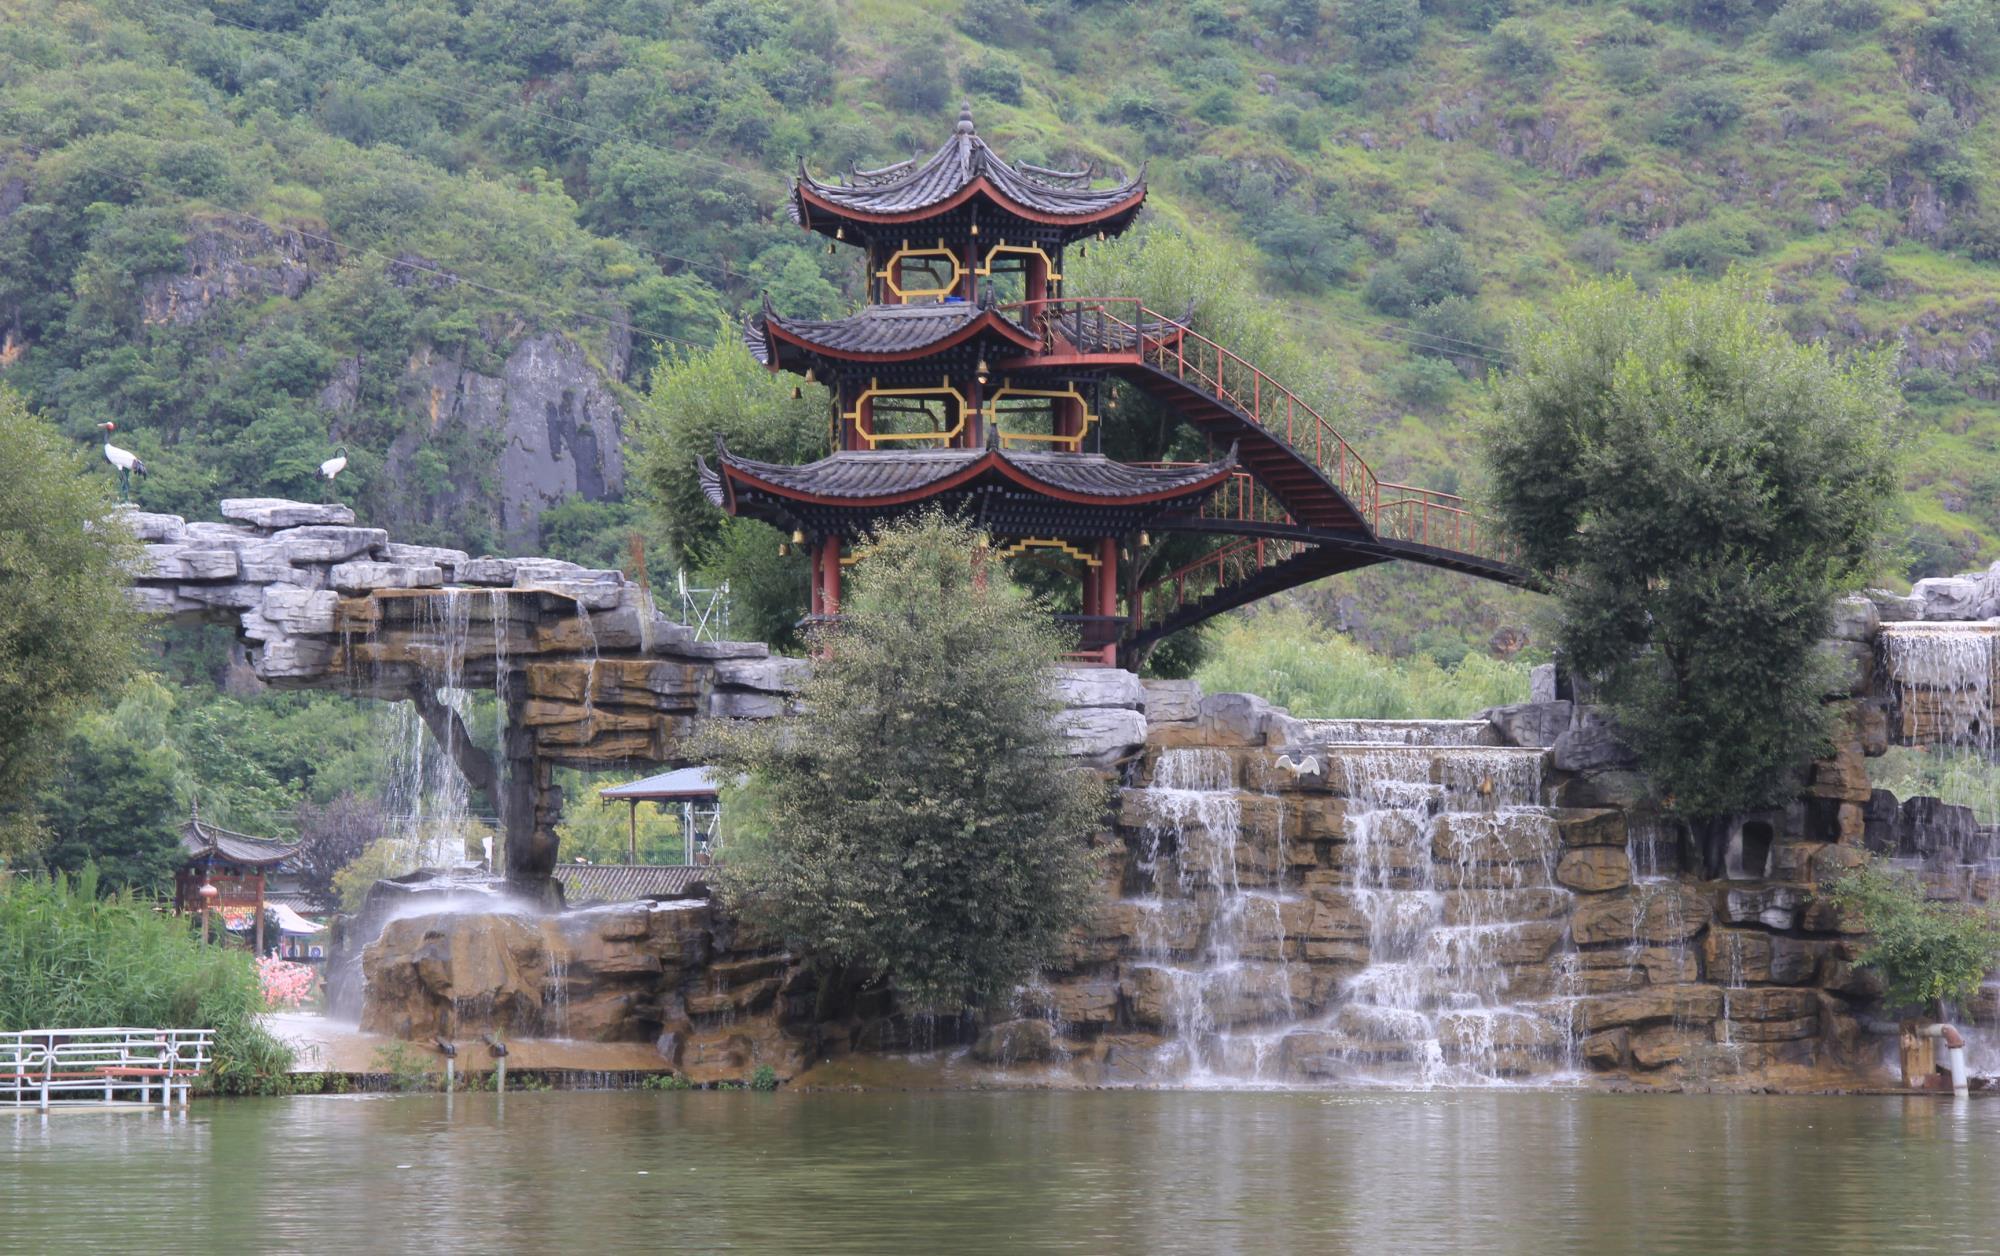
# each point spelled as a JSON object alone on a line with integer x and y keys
{"x": 1106, "y": 579}
{"x": 829, "y": 589}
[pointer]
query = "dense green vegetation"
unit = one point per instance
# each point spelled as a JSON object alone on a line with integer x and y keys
{"x": 1403, "y": 176}
{"x": 1315, "y": 672}
{"x": 1697, "y": 487}
{"x": 916, "y": 822}
{"x": 66, "y": 635}
{"x": 247, "y": 233}
{"x": 1928, "y": 953}
{"x": 69, "y": 956}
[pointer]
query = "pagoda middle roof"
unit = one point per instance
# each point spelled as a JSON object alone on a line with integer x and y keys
{"x": 879, "y": 331}
{"x": 907, "y": 189}
{"x": 883, "y": 476}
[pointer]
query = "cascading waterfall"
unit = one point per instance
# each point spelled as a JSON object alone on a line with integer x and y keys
{"x": 1452, "y": 858}
{"x": 1941, "y": 681}
{"x": 1436, "y": 957}
{"x": 427, "y": 791}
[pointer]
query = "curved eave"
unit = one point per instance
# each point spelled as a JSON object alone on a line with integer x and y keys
{"x": 776, "y": 336}
{"x": 811, "y": 201}
{"x": 732, "y": 474}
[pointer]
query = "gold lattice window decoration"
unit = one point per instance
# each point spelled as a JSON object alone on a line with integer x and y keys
{"x": 1027, "y": 543}
{"x": 875, "y": 390}
{"x": 1019, "y": 250}
{"x": 994, "y": 415}
{"x": 892, "y": 271}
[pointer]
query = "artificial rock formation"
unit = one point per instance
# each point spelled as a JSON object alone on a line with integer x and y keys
{"x": 592, "y": 674}
{"x": 1241, "y": 933}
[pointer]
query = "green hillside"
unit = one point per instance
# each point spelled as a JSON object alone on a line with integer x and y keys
{"x": 249, "y": 231}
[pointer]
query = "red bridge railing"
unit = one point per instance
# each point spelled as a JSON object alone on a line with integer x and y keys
{"x": 1121, "y": 329}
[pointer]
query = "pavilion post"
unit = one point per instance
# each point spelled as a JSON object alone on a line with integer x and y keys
{"x": 830, "y": 576}
{"x": 259, "y": 926}
{"x": 1105, "y": 577}
{"x": 632, "y": 841}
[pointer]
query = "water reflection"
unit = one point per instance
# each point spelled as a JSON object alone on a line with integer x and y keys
{"x": 1100, "y": 1172}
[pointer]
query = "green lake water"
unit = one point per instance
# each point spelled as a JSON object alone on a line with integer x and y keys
{"x": 1098, "y": 1172}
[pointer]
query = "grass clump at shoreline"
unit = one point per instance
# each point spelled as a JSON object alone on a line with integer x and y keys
{"x": 69, "y": 958}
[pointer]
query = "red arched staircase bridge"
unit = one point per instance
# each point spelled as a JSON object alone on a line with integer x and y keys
{"x": 1305, "y": 505}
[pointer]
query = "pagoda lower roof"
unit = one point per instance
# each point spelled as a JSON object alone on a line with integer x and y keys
{"x": 894, "y": 477}
{"x": 202, "y": 841}
{"x": 882, "y": 332}
{"x": 964, "y": 167}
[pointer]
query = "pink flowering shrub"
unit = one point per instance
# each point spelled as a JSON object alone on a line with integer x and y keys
{"x": 286, "y": 985}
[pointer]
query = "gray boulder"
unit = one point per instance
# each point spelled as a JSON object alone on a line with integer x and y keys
{"x": 1948, "y": 597}
{"x": 1591, "y": 742}
{"x": 275, "y": 513}
{"x": 1531, "y": 723}
{"x": 1099, "y": 687}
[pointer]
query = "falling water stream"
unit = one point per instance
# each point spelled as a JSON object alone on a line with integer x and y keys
{"x": 1430, "y": 950}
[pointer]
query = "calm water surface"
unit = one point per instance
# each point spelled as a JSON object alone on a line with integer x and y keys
{"x": 1027, "y": 1172}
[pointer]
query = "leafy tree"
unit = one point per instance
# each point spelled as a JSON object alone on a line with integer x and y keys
{"x": 1433, "y": 270}
{"x": 1521, "y": 49}
{"x": 1965, "y": 33}
{"x": 331, "y": 836}
{"x": 919, "y": 822}
{"x": 998, "y": 77}
{"x": 724, "y": 392}
{"x": 1385, "y": 32}
{"x": 1695, "y": 487}
{"x": 1311, "y": 248}
{"x": 112, "y": 803}
{"x": 1709, "y": 246}
{"x": 915, "y": 78}
{"x": 67, "y": 633}
{"x": 1927, "y": 953}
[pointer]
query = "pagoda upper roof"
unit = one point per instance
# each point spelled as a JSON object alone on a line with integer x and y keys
{"x": 909, "y": 191}
{"x": 880, "y": 332}
{"x": 893, "y": 477}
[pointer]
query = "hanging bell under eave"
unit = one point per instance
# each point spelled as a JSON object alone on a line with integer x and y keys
{"x": 783, "y": 549}
{"x": 840, "y": 233}
{"x": 1144, "y": 540}
{"x": 797, "y": 392}
{"x": 810, "y": 377}
{"x": 982, "y": 372}
{"x": 798, "y": 536}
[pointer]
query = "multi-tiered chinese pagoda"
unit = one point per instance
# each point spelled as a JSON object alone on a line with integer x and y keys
{"x": 970, "y": 381}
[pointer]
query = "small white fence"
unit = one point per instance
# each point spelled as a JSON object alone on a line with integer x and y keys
{"x": 44, "y": 1067}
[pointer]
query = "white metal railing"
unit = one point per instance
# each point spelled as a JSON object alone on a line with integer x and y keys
{"x": 51, "y": 1066}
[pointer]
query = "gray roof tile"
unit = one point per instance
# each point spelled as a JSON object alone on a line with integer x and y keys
{"x": 909, "y": 186}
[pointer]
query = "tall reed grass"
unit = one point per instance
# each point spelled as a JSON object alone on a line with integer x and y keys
{"x": 1317, "y": 673}
{"x": 69, "y": 958}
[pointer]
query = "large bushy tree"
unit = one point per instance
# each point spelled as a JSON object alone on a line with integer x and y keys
{"x": 918, "y": 821}
{"x": 1696, "y": 487}
{"x": 723, "y": 392}
{"x": 66, "y": 631}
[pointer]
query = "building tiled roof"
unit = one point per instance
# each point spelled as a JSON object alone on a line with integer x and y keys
{"x": 201, "y": 840}
{"x": 910, "y": 186}
{"x": 865, "y": 474}
{"x": 622, "y": 883}
{"x": 679, "y": 783}
{"x": 876, "y": 329}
